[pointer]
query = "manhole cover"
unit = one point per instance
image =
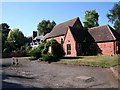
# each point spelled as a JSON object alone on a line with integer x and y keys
{"x": 85, "y": 78}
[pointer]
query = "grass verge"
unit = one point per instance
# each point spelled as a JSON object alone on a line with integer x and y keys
{"x": 100, "y": 61}
{"x": 27, "y": 58}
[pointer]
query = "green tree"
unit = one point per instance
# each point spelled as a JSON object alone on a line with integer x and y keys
{"x": 16, "y": 39}
{"x": 114, "y": 16}
{"x": 4, "y": 30}
{"x": 91, "y": 19}
{"x": 45, "y": 26}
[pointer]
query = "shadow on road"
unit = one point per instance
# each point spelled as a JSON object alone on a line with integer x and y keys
{"x": 10, "y": 85}
{"x": 5, "y": 65}
{"x": 6, "y": 85}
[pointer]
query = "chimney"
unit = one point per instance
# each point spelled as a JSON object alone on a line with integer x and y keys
{"x": 34, "y": 34}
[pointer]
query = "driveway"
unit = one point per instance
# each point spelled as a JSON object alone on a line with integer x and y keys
{"x": 35, "y": 74}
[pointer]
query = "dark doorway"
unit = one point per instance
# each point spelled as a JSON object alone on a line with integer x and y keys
{"x": 68, "y": 49}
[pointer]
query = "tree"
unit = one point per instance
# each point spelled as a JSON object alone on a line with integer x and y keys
{"x": 45, "y": 26}
{"x": 4, "y": 30}
{"x": 16, "y": 39}
{"x": 91, "y": 19}
{"x": 114, "y": 16}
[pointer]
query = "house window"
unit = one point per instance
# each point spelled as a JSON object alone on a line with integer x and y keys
{"x": 79, "y": 46}
{"x": 117, "y": 46}
{"x": 62, "y": 41}
{"x": 68, "y": 49}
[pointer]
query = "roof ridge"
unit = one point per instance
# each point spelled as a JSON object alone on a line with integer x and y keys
{"x": 68, "y": 21}
{"x": 60, "y": 29}
{"x": 97, "y": 27}
{"x": 111, "y": 32}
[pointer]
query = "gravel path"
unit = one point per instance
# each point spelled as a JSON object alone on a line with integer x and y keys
{"x": 43, "y": 75}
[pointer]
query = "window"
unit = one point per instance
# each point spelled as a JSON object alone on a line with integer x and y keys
{"x": 68, "y": 49}
{"x": 79, "y": 46}
{"x": 62, "y": 41}
{"x": 117, "y": 46}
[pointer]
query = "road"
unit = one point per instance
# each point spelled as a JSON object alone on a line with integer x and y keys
{"x": 35, "y": 74}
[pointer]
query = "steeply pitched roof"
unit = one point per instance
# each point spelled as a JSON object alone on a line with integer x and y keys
{"x": 78, "y": 35}
{"x": 61, "y": 28}
{"x": 102, "y": 33}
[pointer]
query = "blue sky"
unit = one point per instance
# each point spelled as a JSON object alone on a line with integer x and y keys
{"x": 27, "y": 15}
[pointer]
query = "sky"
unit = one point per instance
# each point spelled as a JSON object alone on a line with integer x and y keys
{"x": 27, "y": 15}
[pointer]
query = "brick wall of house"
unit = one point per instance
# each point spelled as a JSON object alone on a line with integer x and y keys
{"x": 58, "y": 39}
{"x": 107, "y": 48}
{"x": 70, "y": 40}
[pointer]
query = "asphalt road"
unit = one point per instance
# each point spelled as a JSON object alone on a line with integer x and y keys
{"x": 34, "y": 74}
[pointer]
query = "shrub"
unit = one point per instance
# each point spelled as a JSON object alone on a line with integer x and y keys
{"x": 41, "y": 46}
{"x": 48, "y": 57}
{"x": 35, "y": 53}
{"x": 57, "y": 49}
{"x": 44, "y": 51}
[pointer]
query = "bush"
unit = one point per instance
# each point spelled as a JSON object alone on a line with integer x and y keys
{"x": 35, "y": 53}
{"x": 42, "y": 50}
{"x": 41, "y": 46}
{"x": 38, "y": 51}
{"x": 48, "y": 57}
{"x": 57, "y": 49}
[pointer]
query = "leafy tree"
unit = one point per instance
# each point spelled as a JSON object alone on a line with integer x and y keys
{"x": 114, "y": 16}
{"x": 45, "y": 26}
{"x": 16, "y": 39}
{"x": 4, "y": 30}
{"x": 91, "y": 19}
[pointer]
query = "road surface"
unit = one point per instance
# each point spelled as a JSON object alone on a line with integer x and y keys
{"x": 35, "y": 74}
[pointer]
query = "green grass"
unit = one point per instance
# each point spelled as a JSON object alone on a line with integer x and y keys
{"x": 27, "y": 58}
{"x": 100, "y": 61}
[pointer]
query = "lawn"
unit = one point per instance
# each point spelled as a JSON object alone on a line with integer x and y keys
{"x": 101, "y": 61}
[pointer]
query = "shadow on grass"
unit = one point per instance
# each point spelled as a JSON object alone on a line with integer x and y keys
{"x": 56, "y": 60}
{"x": 72, "y": 57}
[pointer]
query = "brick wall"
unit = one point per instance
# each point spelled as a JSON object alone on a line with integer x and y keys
{"x": 107, "y": 48}
{"x": 70, "y": 40}
{"x": 58, "y": 39}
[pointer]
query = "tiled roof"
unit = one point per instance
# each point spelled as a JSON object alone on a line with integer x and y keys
{"x": 61, "y": 29}
{"x": 102, "y": 33}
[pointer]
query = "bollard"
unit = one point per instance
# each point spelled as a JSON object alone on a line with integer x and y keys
{"x": 17, "y": 61}
{"x": 13, "y": 61}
